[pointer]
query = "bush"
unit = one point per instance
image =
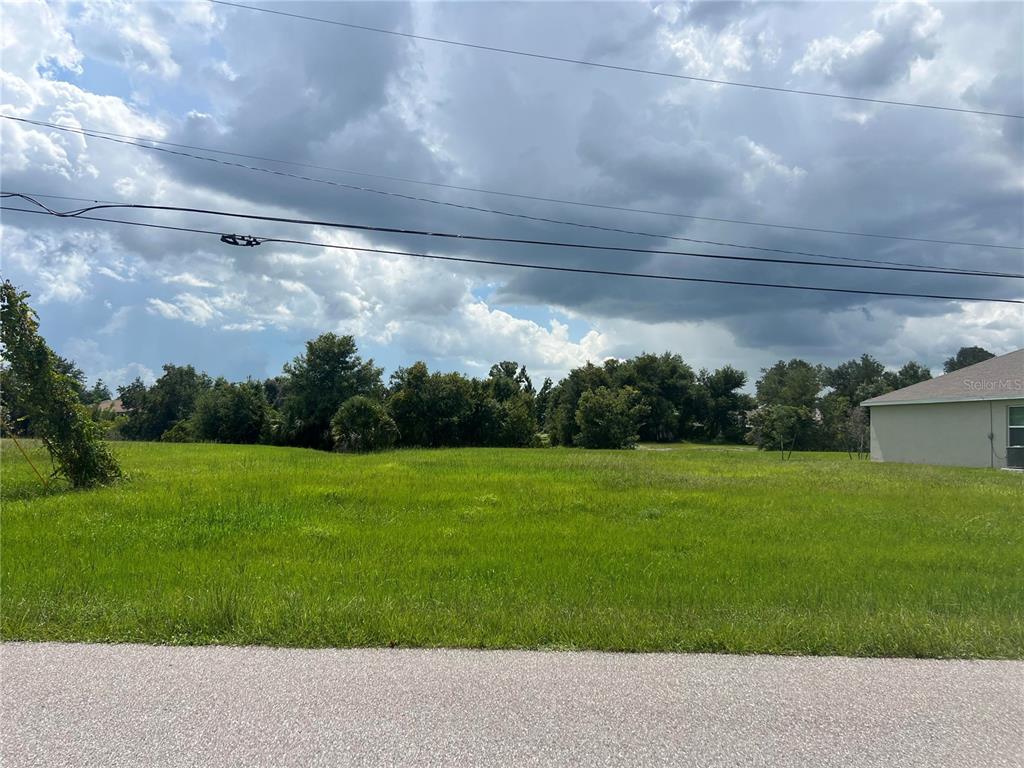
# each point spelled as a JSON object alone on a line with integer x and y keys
{"x": 363, "y": 424}
{"x": 780, "y": 427}
{"x": 232, "y": 413}
{"x": 182, "y": 432}
{"x": 609, "y": 418}
{"x": 49, "y": 398}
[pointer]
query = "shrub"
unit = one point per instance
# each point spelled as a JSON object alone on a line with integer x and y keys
{"x": 609, "y": 418}
{"x": 49, "y": 398}
{"x": 232, "y": 413}
{"x": 780, "y": 427}
{"x": 182, "y": 432}
{"x": 363, "y": 424}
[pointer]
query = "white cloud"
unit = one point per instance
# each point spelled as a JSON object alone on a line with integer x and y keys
{"x": 187, "y": 278}
{"x": 33, "y": 37}
{"x": 765, "y": 163}
{"x": 95, "y": 358}
{"x": 186, "y": 306}
{"x": 903, "y": 34}
{"x": 495, "y": 124}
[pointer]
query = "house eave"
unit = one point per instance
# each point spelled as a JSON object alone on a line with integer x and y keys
{"x": 937, "y": 400}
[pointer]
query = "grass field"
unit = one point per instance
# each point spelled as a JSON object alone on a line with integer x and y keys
{"x": 696, "y": 548}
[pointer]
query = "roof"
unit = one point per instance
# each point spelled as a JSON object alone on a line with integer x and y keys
{"x": 998, "y": 378}
{"x": 114, "y": 406}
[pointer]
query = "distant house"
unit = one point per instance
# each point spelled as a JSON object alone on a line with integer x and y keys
{"x": 111, "y": 406}
{"x": 973, "y": 417}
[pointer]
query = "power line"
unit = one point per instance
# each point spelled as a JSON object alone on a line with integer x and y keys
{"x": 495, "y": 239}
{"x": 616, "y": 67}
{"x": 134, "y": 141}
{"x": 619, "y": 230}
{"x": 524, "y": 265}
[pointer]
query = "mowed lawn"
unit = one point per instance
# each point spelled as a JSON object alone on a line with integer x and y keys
{"x": 689, "y": 549}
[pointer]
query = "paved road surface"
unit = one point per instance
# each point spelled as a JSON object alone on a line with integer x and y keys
{"x": 95, "y": 705}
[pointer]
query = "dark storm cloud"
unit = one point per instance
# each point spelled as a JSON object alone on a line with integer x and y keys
{"x": 313, "y": 93}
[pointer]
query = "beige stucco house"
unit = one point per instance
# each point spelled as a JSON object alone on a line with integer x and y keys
{"x": 973, "y": 417}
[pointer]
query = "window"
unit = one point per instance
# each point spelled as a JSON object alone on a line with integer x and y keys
{"x": 1015, "y": 428}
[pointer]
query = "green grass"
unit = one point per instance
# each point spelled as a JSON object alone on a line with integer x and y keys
{"x": 695, "y": 549}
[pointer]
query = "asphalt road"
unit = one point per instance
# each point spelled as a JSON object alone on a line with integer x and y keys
{"x": 123, "y": 705}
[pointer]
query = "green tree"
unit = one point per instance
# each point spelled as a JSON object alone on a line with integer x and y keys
{"x": 833, "y": 419}
{"x": 49, "y": 397}
{"x": 911, "y": 373}
{"x": 319, "y": 381}
{"x": 779, "y": 427}
{"x": 99, "y": 392}
{"x": 517, "y": 425}
{"x": 865, "y": 375}
{"x": 155, "y": 410}
{"x": 609, "y": 418}
{"x": 75, "y": 375}
{"x": 363, "y": 424}
{"x": 560, "y": 416}
{"x": 966, "y": 356}
{"x": 796, "y": 383}
{"x": 439, "y": 409}
{"x": 720, "y": 404}
{"x": 507, "y": 379}
{"x": 667, "y": 387}
{"x": 542, "y": 401}
{"x": 232, "y": 413}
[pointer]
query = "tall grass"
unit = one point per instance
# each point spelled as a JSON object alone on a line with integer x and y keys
{"x": 697, "y": 549}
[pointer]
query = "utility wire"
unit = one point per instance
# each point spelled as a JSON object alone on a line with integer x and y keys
{"x": 524, "y": 265}
{"x": 492, "y": 239}
{"x": 617, "y": 67}
{"x": 478, "y": 209}
{"x": 135, "y": 141}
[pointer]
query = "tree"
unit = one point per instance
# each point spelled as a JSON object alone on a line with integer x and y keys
{"x": 49, "y": 397}
{"x": 667, "y": 386}
{"x": 720, "y": 404}
{"x": 911, "y": 373}
{"x": 560, "y": 416}
{"x": 609, "y": 418}
{"x": 865, "y": 374}
{"x": 966, "y": 356}
{"x": 517, "y": 425}
{"x": 796, "y": 383}
{"x": 858, "y": 431}
{"x": 155, "y": 410}
{"x": 438, "y": 409}
{"x": 319, "y": 381}
{"x": 75, "y": 375}
{"x": 833, "y": 418}
{"x": 541, "y": 403}
{"x": 99, "y": 392}
{"x": 363, "y": 424}
{"x": 232, "y": 413}
{"x": 779, "y": 427}
{"x": 507, "y": 379}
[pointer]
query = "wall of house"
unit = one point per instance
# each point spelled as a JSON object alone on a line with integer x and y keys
{"x": 941, "y": 433}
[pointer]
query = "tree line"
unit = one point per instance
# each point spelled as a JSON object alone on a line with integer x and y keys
{"x": 330, "y": 398}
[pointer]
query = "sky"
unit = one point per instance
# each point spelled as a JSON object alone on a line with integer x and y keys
{"x": 121, "y": 300}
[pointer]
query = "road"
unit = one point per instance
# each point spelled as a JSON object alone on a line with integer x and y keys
{"x": 133, "y": 705}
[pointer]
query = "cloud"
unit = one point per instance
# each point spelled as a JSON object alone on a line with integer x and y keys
{"x": 320, "y": 95}
{"x": 185, "y": 306}
{"x": 903, "y": 34}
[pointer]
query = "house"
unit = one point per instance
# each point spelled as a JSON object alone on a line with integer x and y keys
{"x": 973, "y": 417}
{"x": 111, "y": 406}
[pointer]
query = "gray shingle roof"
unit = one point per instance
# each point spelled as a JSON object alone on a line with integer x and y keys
{"x": 999, "y": 378}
